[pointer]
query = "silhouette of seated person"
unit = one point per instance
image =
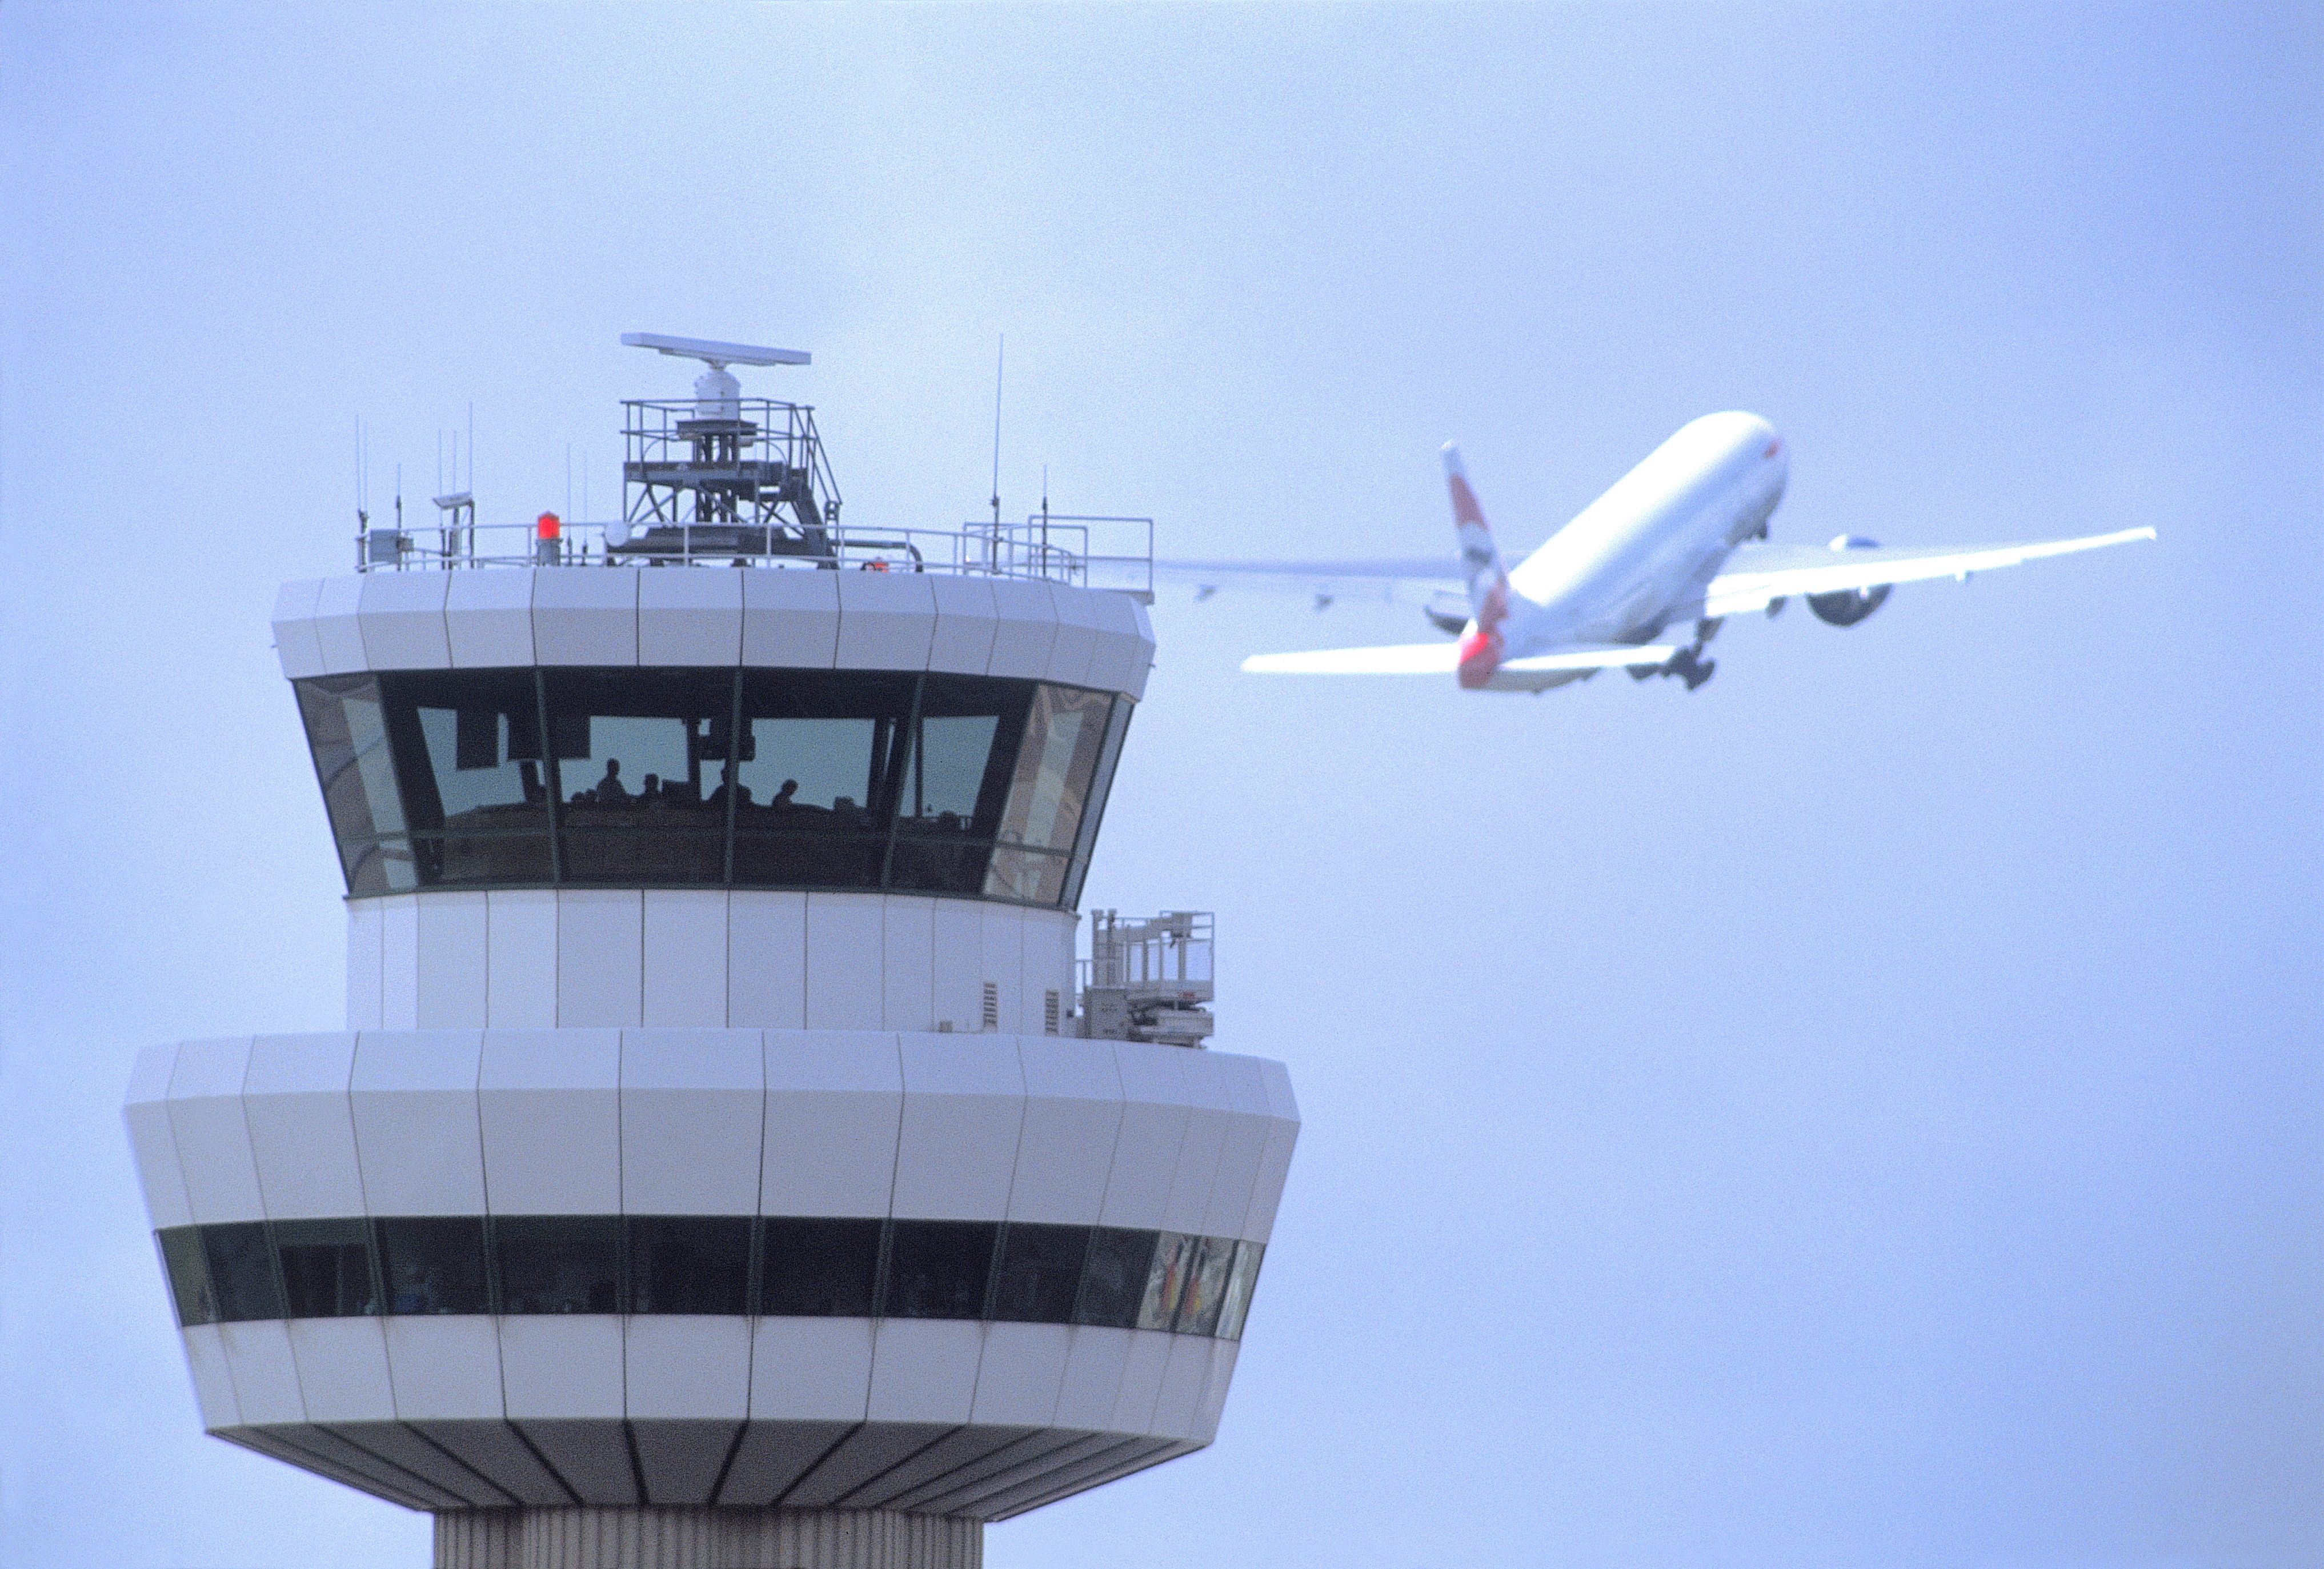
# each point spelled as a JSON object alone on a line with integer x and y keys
{"x": 649, "y": 792}
{"x": 609, "y": 791}
{"x": 718, "y": 796}
{"x": 783, "y": 801}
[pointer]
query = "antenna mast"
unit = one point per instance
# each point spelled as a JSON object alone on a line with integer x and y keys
{"x": 999, "y": 366}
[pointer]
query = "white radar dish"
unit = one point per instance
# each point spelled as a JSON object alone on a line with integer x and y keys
{"x": 719, "y": 355}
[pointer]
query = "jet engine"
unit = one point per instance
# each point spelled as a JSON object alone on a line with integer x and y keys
{"x": 1447, "y": 612}
{"x": 1847, "y": 606}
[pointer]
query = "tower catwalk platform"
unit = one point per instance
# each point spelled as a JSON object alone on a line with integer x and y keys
{"x": 721, "y": 1166}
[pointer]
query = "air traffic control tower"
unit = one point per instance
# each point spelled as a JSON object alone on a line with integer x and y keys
{"x": 724, "y": 1164}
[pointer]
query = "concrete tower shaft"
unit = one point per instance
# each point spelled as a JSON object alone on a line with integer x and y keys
{"x": 712, "y": 1168}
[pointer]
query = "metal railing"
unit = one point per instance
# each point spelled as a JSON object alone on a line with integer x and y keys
{"x": 1114, "y": 553}
{"x": 1147, "y": 980}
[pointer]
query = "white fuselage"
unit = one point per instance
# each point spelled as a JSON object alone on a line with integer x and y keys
{"x": 1637, "y": 558}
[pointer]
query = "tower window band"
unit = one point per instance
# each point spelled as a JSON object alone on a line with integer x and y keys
{"x": 975, "y": 786}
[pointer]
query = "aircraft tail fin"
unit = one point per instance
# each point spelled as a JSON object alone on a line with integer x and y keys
{"x": 1481, "y": 566}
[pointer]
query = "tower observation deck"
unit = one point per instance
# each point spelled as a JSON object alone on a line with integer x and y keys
{"x": 721, "y": 1165}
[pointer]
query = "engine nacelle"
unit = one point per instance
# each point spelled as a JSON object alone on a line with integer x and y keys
{"x": 1847, "y": 606}
{"x": 1447, "y": 611}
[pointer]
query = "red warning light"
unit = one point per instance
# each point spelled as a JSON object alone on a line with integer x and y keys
{"x": 547, "y": 523}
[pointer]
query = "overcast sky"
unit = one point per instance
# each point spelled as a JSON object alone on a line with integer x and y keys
{"x": 1865, "y": 1113}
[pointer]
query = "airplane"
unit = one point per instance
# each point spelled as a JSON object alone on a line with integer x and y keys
{"x": 1678, "y": 539}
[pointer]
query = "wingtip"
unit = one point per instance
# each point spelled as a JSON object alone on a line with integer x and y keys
{"x": 1453, "y": 467}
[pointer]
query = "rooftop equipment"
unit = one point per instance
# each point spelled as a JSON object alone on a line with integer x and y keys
{"x": 1147, "y": 980}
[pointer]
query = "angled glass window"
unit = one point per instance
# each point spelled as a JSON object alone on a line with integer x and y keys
{"x": 189, "y": 1275}
{"x": 822, "y": 760}
{"x": 1166, "y": 1279}
{"x": 1040, "y": 1271}
{"x": 1063, "y": 736}
{"x": 346, "y": 732}
{"x": 432, "y": 1264}
{"x": 241, "y": 1272}
{"x": 475, "y": 781}
{"x": 1241, "y": 1281}
{"x": 956, "y": 773}
{"x": 1113, "y": 1279}
{"x": 939, "y": 1268}
{"x": 1206, "y": 1287}
{"x": 689, "y": 1263}
{"x": 1109, "y": 757}
{"x": 559, "y": 1263}
{"x": 818, "y": 1268}
{"x": 639, "y": 759}
{"x": 327, "y": 1268}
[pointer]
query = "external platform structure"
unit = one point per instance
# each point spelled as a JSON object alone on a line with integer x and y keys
{"x": 715, "y": 1168}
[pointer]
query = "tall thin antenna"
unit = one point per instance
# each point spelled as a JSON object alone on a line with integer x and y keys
{"x": 472, "y": 447}
{"x": 999, "y": 366}
{"x": 568, "y": 479}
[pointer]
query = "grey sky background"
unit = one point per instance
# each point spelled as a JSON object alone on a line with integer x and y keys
{"x": 1866, "y": 1113}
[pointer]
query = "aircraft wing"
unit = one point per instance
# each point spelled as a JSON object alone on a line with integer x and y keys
{"x": 1444, "y": 659}
{"x": 1393, "y": 579}
{"x": 1758, "y": 575}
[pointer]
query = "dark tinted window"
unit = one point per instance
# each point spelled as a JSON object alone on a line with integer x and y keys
{"x": 325, "y": 1269}
{"x": 956, "y": 774}
{"x": 939, "y": 1268}
{"x": 433, "y": 1265}
{"x": 821, "y": 766}
{"x": 241, "y": 1274}
{"x": 346, "y": 732}
{"x": 819, "y": 1268}
{"x": 1113, "y": 1281}
{"x": 559, "y": 1263}
{"x": 640, "y": 757}
{"x": 189, "y": 1275}
{"x": 473, "y": 779}
{"x": 1040, "y": 1271}
{"x": 689, "y": 1263}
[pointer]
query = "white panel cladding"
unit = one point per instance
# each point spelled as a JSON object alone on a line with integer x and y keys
{"x": 401, "y": 614}
{"x": 1078, "y": 622}
{"x": 907, "y": 963}
{"x": 561, "y": 1366}
{"x": 1214, "y": 1394}
{"x": 845, "y": 936}
{"x": 521, "y": 958}
{"x": 213, "y": 1140}
{"x": 301, "y": 1130}
{"x": 766, "y": 960}
{"x": 834, "y": 1102}
{"x": 265, "y": 1377}
{"x": 1003, "y": 961}
{"x": 887, "y": 621}
{"x": 1275, "y": 1165}
{"x": 585, "y": 616}
{"x": 213, "y": 1385}
{"x": 416, "y": 1130}
{"x": 1024, "y": 628}
{"x": 295, "y": 644}
{"x": 685, "y": 938}
{"x": 342, "y": 1366}
{"x": 488, "y": 618}
{"x": 693, "y": 1112}
{"x": 791, "y": 620}
{"x": 1211, "y": 1107}
{"x": 1046, "y": 965}
{"x": 964, "y": 633}
{"x": 957, "y": 969}
{"x": 964, "y": 1109}
{"x": 689, "y": 618}
{"x": 451, "y": 934}
{"x": 146, "y": 1110}
{"x": 1072, "y": 1110}
{"x": 1186, "y": 1380}
{"x": 1153, "y": 1134}
{"x": 338, "y": 625}
{"x": 1141, "y": 1378}
{"x": 600, "y": 956}
{"x": 684, "y": 1365}
{"x": 924, "y": 1370}
{"x": 551, "y": 1107}
{"x": 445, "y": 1369}
{"x": 1118, "y": 663}
{"x": 810, "y": 1370}
{"x": 1091, "y": 1386}
{"x": 399, "y": 962}
{"x": 1018, "y": 1377}
{"x": 1248, "y": 1125}
{"x": 1136, "y": 688}
{"x": 366, "y": 926}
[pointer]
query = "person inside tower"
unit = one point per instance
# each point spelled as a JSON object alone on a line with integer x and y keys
{"x": 611, "y": 791}
{"x": 783, "y": 796}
